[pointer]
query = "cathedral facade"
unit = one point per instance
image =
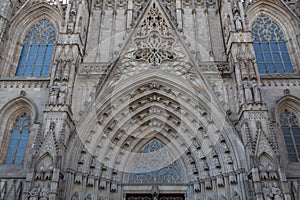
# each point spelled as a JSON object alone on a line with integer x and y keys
{"x": 149, "y": 100}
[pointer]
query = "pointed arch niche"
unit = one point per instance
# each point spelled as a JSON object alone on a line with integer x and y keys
{"x": 274, "y": 38}
{"x": 32, "y": 39}
{"x": 17, "y": 119}
{"x": 37, "y": 50}
{"x": 288, "y": 118}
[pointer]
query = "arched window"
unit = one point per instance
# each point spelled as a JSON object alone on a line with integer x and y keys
{"x": 154, "y": 164}
{"x": 291, "y": 132}
{"x": 37, "y": 50}
{"x": 270, "y": 48}
{"x": 18, "y": 139}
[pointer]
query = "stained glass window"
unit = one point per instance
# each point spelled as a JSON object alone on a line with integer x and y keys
{"x": 270, "y": 48}
{"x": 38, "y": 47}
{"x": 18, "y": 139}
{"x": 291, "y": 132}
{"x": 154, "y": 164}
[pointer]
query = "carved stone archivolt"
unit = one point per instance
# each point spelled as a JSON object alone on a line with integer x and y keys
{"x": 125, "y": 124}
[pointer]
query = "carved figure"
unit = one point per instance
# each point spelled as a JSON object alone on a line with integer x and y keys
{"x": 34, "y": 193}
{"x": 276, "y": 192}
{"x": 237, "y": 21}
{"x": 248, "y": 93}
{"x": 52, "y": 97}
{"x": 62, "y": 94}
{"x": 257, "y": 93}
{"x": 44, "y": 194}
{"x": 267, "y": 192}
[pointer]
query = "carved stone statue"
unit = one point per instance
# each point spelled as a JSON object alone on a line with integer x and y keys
{"x": 52, "y": 97}
{"x": 257, "y": 93}
{"x": 44, "y": 194}
{"x": 62, "y": 94}
{"x": 34, "y": 193}
{"x": 248, "y": 93}
{"x": 52, "y": 126}
{"x": 276, "y": 192}
{"x": 237, "y": 21}
{"x": 267, "y": 192}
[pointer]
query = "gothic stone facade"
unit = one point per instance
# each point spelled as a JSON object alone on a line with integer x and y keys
{"x": 149, "y": 99}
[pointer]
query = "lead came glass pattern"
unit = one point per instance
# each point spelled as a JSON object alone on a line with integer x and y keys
{"x": 154, "y": 164}
{"x": 291, "y": 132}
{"x": 270, "y": 48}
{"x": 18, "y": 139}
{"x": 37, "y": 50}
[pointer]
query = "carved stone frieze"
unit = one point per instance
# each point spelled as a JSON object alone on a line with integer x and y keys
{"x": 93, "y": 69}
{"x": 13, "y": 83}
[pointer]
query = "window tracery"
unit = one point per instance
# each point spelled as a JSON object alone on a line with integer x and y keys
{"x": 270, "y": 48}
{"x": 154, "y": 164}
{"x": 18, "y": 139}
{"x": 291, "y": 132}
{"x": 37, "y": 50}
{"x": 154, "y": 41}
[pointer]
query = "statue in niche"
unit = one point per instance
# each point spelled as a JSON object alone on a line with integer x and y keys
{"x": 52, "y": 96}
{"x": 62, "y": 94}
{"x": 250, "y": 60}
{"x": 276, "y": 192}
{"x": 34, "y": 192}
{"x": 267, "y": 192}
{"x": 237, "y": 20}
{"x": 44, "y": 194}
{"x": 66, "y": 70}
{"x": 72, "y": 17}
{"x": 248, "y": 93}
{"x": 257, "y": 93}
{"x": 51, "y": 127}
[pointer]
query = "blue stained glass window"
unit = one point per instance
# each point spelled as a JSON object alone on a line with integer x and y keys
{"x": 291, "y": 132}
{"x": 37, "y": 50}
{"x": 269, "y": 47}
{"x": 154, "y": 165}
{"x": 18, "y": 139}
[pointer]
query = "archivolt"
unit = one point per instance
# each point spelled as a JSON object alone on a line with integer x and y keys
{"x": 117, "y": 123}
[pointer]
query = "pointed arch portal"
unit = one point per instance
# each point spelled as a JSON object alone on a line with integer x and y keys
{"x": 155, "y": 127}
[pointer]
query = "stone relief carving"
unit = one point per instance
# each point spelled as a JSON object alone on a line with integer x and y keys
{"x": 34, "y": 192}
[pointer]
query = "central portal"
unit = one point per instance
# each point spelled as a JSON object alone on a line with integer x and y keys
{"x": 150, "y": 197}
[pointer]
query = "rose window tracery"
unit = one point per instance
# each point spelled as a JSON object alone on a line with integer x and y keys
{"x": 154, "y": 164}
